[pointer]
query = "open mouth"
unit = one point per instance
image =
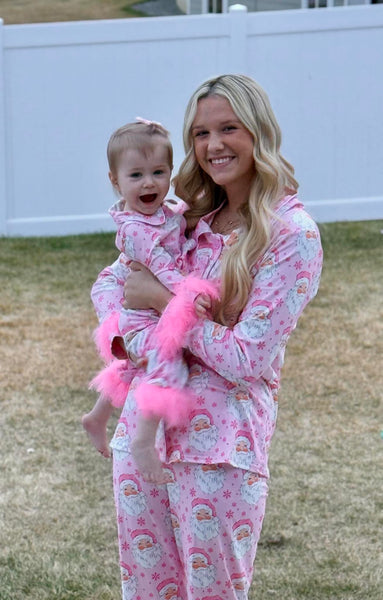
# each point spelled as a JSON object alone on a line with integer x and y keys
{"x": 221, "y": 161}
{"x": 148, "y": 198}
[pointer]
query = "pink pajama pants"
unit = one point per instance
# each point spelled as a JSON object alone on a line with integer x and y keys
{"x": 194, "y": 538}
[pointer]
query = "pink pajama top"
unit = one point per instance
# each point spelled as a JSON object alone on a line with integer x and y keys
{"x": 235, "y": 371}
{"x": 157, "y": 240}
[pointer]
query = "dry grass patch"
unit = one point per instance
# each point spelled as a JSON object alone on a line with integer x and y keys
{"x": 321, "y": 533}
{"x": 44, "y": 11}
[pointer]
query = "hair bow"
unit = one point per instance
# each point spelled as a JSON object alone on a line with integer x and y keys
{"x": 147, "y": 122}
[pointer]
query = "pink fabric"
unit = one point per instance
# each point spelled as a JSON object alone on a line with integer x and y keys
{"x": 179, "y": 539}
{"x": 104, "y": 335}
{"x": 180, "y": 316}
{"x": 169, "y": 403}
{"x": 235, "y": 372}
{"x": 158, "y": 241}
{"x": 113, "y": 382}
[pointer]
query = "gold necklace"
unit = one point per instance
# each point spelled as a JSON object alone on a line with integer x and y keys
{"x": 222, "y": 225}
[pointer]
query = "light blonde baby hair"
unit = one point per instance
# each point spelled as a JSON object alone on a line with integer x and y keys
{"x": 141, "y": 136}
{"x": 273, "y": 177}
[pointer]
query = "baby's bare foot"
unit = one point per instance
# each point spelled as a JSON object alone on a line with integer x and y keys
{"x": 148, "y": 462}
{"x": 97, "y": 434}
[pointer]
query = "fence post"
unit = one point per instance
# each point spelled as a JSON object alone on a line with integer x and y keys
{"x": 3, "y": 174}
{"x": 238, "y": 38}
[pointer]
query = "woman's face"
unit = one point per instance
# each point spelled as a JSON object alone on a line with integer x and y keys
{"x": 223, "y": 146}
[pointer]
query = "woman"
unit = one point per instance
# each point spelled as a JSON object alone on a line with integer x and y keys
{"x": 196, "y": 537}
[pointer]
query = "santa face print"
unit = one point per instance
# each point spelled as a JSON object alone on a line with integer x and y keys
{"x": 239, "y": 403}
{"x": 203, "y": 434}
{"x": 129, "y": 583}
{"x": 175, "y": 525}
{"x": 201, "y": 571}
{"x": 131, "y": 499}
{"x": 121, "y": 441}
{"x": 252, "y": 488}
{"x": 259, "y": 322}
{"x": 242, "y": 453}
{"x": 204, "y": 522}
{"x": 298, "y": 294}
{"x": 146, "y": 550}
{"x": 172, "y": 486}
{"x": 168, "y": 590}
{"x": 242, "y": 538}
{"x": 209, "y": 478}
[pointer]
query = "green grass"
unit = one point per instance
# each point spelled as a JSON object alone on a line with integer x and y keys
{"x": 322, "y": 533}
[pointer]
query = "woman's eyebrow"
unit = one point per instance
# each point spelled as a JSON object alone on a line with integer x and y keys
{"x": 221, "y": 124}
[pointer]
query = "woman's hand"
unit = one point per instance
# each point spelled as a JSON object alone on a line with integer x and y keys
{"x": 143, "y": 290}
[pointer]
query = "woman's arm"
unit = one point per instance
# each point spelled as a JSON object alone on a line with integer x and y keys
{"x": 143, "y": 290}
{"x": 279, "y": 293}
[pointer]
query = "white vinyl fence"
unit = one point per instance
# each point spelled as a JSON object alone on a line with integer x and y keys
{"x": 66, "y": 86}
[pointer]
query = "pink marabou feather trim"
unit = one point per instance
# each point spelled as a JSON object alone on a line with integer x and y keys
{"x": 112, "y": 383}
{"x": 171, "y": 404}
{"x": 104, "y": 335}
{"x": 180, "y": 315}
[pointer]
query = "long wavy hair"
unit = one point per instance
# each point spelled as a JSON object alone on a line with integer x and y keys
{"x": 273, "y": 176}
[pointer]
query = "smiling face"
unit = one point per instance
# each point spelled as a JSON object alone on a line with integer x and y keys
{"x": 143, "y": 180}
{"x": 223, "y": 146}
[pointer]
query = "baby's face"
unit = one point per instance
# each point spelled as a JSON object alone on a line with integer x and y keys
{"x": 143, "y": 180}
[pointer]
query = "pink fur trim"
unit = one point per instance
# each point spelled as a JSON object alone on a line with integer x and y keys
{"x": 171, "y": 404}
{"x": 180, "y": 316}
{"x": 104, "y": 334}
{"x": 112, "y": 383}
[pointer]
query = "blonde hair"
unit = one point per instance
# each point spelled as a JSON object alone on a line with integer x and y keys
{"x": 141, "y": 136}
{"x": 273, "y": 176}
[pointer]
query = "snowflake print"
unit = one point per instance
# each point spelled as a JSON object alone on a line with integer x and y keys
{"x": 141, "y": 521}
{"x": 227, "y": 494}
{"x": 234, "y": 424}
{"x": 219, "y": 358}
{"x": 229, "y": 514}
{"x": 193, "y": 492}
{"x": 155, "y": 576}
{"x": 298, "y": 265}
{"x": 261, "y": 345}
{"x": 154, "y": 492}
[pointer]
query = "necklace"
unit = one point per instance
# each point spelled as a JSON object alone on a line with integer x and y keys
{"x": 223, "y": 225}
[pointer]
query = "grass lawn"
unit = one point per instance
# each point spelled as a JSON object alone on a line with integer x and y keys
{"x": 322, "y": 533}
{"x": 42, "y": 11}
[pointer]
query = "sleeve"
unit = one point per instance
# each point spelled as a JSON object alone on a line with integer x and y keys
{"x": 285, "y": 280}
{"x": 107, "y": 292}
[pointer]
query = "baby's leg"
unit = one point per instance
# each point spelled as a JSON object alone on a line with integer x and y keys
{"x": 95, "y": 423}
{"x": 144, "y": 451}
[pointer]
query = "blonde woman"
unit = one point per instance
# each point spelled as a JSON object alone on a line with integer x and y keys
{"x": 197, "y": 536}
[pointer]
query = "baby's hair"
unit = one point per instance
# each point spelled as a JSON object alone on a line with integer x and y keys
{"x": 141, "y": 136}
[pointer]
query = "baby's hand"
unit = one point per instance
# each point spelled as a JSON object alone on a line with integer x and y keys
{"x": 202, "y": 305}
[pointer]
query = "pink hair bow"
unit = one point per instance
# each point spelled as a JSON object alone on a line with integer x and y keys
{"x": 147, "y": 122}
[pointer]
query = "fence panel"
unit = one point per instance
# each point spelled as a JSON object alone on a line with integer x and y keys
{"x": 67, "y": 86}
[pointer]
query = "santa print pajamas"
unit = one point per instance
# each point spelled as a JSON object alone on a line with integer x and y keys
{"x": 206, "y": 522}
{"x": 234, "y": 373}
{"x": 159, "y": 242}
